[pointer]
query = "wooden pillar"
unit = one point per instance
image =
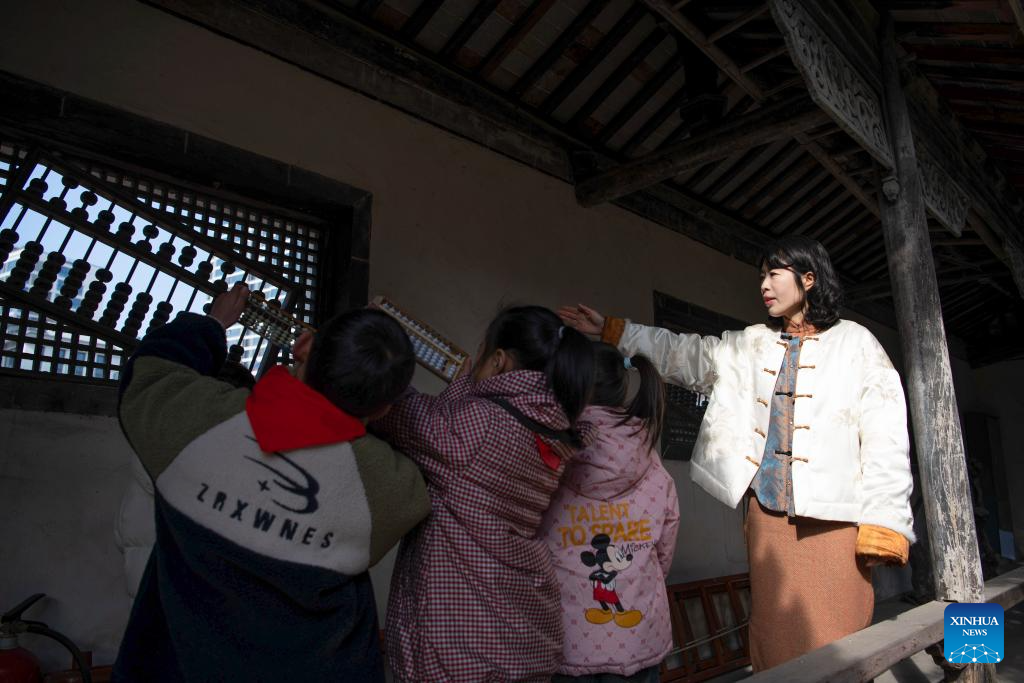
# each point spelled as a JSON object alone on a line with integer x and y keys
{"x": 931, "y": 399}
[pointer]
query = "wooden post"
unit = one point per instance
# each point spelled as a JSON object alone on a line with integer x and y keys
{"x": 932, "y": 401}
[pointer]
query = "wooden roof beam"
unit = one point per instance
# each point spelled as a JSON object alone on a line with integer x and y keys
{"x": 738, "y": 23}
{"x": 1018, "y": 14}
{"x": 636, "y": 103}
{"x": 615, "y": 79}
{"x": 610, "y": 41}
{"x": 468, "y": 27}
{"x": 701, "y": 41}
{"x": 764, "y": 59}
{"x": 515, "y": 34}
{"x": 736, "y": 73}
{"x": 748, "y": 131}
{"x": 420, "y": 18}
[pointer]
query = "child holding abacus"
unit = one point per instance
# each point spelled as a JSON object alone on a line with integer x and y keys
{"x": 612, "y": 531}
{"x": 474, "y": 595}
{"x": 270, "y": 504}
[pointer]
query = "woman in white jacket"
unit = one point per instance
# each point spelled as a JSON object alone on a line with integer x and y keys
{"x": 807, "y": 426}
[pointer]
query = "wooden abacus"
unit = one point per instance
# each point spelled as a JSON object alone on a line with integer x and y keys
{"x": 267, "y": 319}
{"x": 433, "y": 351}
{"x": 55, "y": 207}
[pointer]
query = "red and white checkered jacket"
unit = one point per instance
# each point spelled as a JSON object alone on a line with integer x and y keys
{"x": 474, "y": 595}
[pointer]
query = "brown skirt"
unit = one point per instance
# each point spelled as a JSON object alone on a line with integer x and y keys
{"x": 807, "y": 588}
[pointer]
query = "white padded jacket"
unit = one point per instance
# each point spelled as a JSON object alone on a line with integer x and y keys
{"x": 851, "y": 453}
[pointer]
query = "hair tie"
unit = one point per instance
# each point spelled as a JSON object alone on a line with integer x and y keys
{"x": 561, "y": 331}
{"x": 626, "y": 363}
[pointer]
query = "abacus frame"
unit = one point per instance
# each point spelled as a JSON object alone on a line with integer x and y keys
{"x": 19, "y": 192}
{"x": 382, "y": 301}
{"x": 36, "y": 115}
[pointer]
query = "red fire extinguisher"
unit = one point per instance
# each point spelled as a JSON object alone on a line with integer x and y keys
{"x": 18, "y": 665}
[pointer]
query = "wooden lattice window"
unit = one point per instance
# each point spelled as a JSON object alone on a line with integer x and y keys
{"x": 684, "y": 409}
{"x": 93, "y": 255}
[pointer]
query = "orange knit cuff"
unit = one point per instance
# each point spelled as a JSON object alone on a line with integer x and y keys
{"x": 613, "y": 329}
{"x": 889, "y": 546}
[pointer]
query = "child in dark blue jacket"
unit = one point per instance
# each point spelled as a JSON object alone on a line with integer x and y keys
{"x": 271, "y": 504}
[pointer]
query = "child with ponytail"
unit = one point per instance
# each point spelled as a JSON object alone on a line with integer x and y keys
{"x": 473, "y": 594}
{"x": 612, "y": 529}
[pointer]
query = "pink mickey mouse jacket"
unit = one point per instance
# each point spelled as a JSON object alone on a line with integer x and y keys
{"x": 612, "y": 529}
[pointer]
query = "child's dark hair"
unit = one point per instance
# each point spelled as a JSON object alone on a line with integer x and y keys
{"x": 805, "y": 255}
{"x": 537, "y": 340}
{"x": 611, "y": 382}
{"x": 361, "y": 361}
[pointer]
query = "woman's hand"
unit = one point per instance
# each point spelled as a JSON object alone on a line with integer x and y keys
{"x": 582, "y": 318}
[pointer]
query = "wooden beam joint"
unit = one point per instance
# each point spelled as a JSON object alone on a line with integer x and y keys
{"x": 751, "y": 130}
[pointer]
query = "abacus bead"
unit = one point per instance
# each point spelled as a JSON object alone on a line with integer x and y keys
{"x": 204, "y": 270}
{"x": 88, "y": 198}
{"x": 48, "y": 273}
{"x": 150, "y": 231}
{"x": 219, "y": 287}
{"x": 235, "y": 353}
{"x": 104, "y": 275}
{"x": 69, "y": 183}
{"x": 165, "y": 251}
{"x": 73, "y": 282}
{"x": 92, "y": 297}
{"x": 105, "y": 219}
{"x": 38, "y": 187}
{"x": 188, "y": 255}
{"x": 227, "y": 268}
{"x": 160, "y": 315}
{"x": 125, "y": 230}
{"x": 8, "y": 238}
{"x": 95, "y": 287}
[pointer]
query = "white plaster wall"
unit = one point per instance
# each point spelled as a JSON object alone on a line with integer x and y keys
{"x": 999, "y": 394}
{"x": 61, "y": 479}
{"x": 457, "y": 231}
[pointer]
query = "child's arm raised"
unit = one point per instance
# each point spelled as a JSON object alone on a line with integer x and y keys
{"x": 168, "y": 395}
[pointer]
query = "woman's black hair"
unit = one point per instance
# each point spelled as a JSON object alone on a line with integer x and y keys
{"x": 537, "y": 340}
{"x": 805, "y": 255}
{"x": 361, "y": 361}
{"x": 611, "y": 381}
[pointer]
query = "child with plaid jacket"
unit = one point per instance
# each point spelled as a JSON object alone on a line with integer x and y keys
{"x": 474, "y": 595}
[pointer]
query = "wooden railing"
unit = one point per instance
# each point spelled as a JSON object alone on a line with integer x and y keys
{"x": 868, "y": 653}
